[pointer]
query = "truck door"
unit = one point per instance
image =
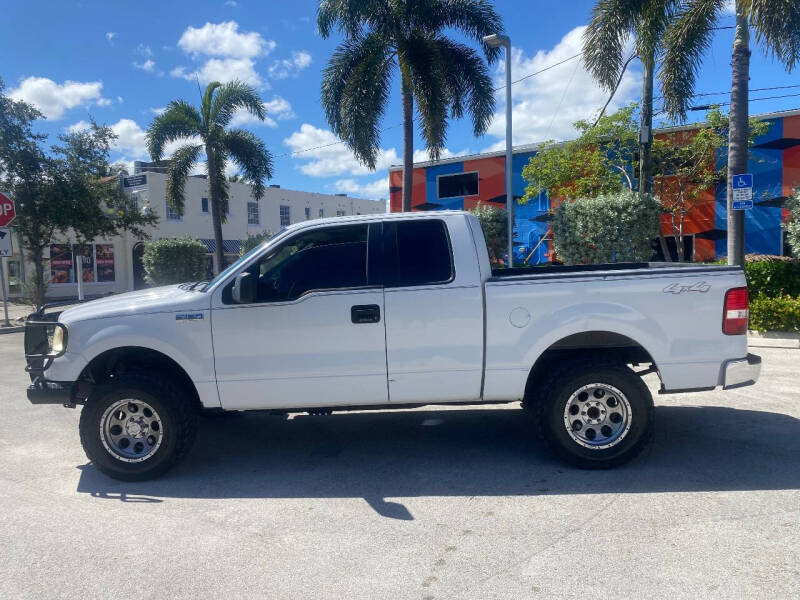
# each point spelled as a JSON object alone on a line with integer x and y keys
{"x": 315, "y": 334}
{"x": 434, "y": 315}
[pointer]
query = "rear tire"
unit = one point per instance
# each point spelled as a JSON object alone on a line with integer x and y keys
{"x": 138, "y": 426}
{"x": 594, "y": 415}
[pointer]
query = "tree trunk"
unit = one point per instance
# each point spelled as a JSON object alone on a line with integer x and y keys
{"x": 646, "y": 141}
{"x": 737, "y": 142}
{"x": 216, "y": 215}
{"x": 408, "y": 145}
{"x": 38, "y": 287}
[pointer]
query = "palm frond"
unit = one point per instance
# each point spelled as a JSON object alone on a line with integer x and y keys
{"x": 355, "y": 90}
{"x": 611, "y": 25}
{"x": 468, "y": 82}
{"x": 232, "y": 96}
{"x": 251, "y": 155}
{"x": 180, "y": 120}
{"x": 180, "y": 165}
{"x": 685, "y": 42}
{"x": 348, "y": 16}
{"x": 208, "y": 99}
{"x": 420, "y": 57}
{"x": 475, "y": 18}
{"x": 776, "y": 24}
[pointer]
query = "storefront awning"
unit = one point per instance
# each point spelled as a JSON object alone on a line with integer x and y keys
{"x": 228, "y": 246}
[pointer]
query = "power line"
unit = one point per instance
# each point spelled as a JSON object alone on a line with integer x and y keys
{"x": 761, "y": 89}
{"x": 708, "y": 106}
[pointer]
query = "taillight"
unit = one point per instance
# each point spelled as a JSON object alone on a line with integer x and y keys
{"x": 735, "y": 312}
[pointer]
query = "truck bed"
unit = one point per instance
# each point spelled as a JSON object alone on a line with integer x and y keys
{"x": 606, "y": 269}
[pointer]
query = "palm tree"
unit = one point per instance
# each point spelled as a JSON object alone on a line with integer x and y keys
{"x": 776, "y": 24}
{"x": 446, "y": 78}
{"x": 613, "y": 23}
{"x": 204, "y": 131}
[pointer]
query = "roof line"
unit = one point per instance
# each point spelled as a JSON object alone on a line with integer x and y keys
{"x": 535, "y": 146}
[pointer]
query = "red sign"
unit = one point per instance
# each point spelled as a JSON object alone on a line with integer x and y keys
{"x": 8, "y": 211}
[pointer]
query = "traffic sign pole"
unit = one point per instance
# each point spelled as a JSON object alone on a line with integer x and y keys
{"x": 5, "y": 293}
{"x": 8, "y": 212}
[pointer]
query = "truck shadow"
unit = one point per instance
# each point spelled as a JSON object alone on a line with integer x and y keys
{"x": 476, "y": 452}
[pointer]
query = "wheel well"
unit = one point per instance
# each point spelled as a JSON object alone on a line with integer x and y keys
{"x": 112, "y": 363}
{"x": 589, "y": 344}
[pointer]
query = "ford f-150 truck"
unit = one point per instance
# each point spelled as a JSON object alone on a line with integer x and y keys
{"x": 391, "y": 311}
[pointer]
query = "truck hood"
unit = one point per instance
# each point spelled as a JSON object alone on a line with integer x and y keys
{"x": 170, "y": 298}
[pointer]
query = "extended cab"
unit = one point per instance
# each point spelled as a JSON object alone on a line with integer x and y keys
{"x": 391, "y": 311}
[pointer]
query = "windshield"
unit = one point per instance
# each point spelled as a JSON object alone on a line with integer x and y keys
{"x": 235, "y": 265}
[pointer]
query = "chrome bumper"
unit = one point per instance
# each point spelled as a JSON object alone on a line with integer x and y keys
{"x": 741, "y": 372}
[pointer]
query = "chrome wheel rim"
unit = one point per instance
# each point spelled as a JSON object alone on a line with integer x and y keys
{"x": 131, "y": 430}
{"x": 597, "y": 416}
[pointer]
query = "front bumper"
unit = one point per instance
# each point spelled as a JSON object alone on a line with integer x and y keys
{"x": 741, "y": 372}
{"x": 42, "y": 391}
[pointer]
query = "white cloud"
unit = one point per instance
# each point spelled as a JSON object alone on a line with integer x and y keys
{"x": 546, "y": 106}
{"x": 730, "y": 7}
{"x": 233, "y": 53}
{"x": 375, "y": 190}
{"x": 77, "y": 127}
{"x": 424, "y": 156}
{"x": 277, "y": 108}
{"x": 52, "y": 99}
{"x": 224, "y": 69}
{"x": 158, "y": 110}
{"x": 110, "y": 35}
{"x": 144, "y": 50}
{"x": 130, "y": 138}
{"x": 148, "y": 65}
{"x": 119, "y": 99}
{"x": 104, "y": 102}
{"x": 329, "y": 158}
{"x": 290, "y": 67}
{"x": 224, "y": 39}
{"x": 231, "y": 3}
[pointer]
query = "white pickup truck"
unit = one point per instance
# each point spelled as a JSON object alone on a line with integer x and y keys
{"x": 391, "y": 311}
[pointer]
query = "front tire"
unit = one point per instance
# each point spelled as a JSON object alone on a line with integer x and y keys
{"x": 595, "y": 415}
{"x": 138, "y": 426}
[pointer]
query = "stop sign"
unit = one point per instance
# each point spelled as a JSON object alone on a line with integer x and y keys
{"x": 8, "y": 211}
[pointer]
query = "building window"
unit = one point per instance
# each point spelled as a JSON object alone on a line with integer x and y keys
{"x": 340, "y": 212}
{"x": 321, "y": 212}
{"x": 286, "y": 215}
{"x": 457, "y": 185}
{"x": 253, "y": 215}
{"x": 204, "y": 205}
{"x": 97, "y": 264}
{"x": 172, "y": 214}
{"x": 308, "y": 213}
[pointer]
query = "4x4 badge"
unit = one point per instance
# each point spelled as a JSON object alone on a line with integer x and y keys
{"x": 680, "y": 288}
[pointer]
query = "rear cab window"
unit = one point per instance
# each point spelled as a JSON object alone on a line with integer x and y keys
{"x": 422, "y": 253}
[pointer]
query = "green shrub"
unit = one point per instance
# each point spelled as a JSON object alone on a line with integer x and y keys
{"x": 793, "y": 225}
{"x": 609, "y": 228}
{"x": 252, "y": 241}
{"x": 494, "y": 222}
{"x": 174, "y": 260}
{"x": 773, "y": 278}
{"x": 781, "y": 313}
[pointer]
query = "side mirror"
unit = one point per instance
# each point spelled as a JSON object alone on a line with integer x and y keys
{"x": 244, "y": 288}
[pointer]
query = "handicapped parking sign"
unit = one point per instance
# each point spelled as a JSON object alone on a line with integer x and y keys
{"x": 742, "y": 191}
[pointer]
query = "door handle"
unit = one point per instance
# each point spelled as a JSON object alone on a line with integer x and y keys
{"x": 365, "y": 313}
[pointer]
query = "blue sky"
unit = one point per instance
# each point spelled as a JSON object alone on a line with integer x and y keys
{"x": 120, "y": 62}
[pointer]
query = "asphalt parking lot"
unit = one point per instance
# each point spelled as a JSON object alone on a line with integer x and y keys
{"x": 427, "y": 504}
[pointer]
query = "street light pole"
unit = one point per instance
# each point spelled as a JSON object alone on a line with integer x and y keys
{"x": 496, "y": 40}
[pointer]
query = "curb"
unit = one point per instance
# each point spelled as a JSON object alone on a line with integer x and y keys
{"x": 773, "y": 339}
{"x": 11, "y": 329}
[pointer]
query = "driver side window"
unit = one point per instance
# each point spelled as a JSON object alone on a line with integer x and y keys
{"x": 321, "y": 259}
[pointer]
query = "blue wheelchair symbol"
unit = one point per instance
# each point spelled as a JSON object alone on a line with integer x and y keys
{"x": 743, "y": 181}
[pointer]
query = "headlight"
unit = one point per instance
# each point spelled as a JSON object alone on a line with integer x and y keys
{"x": 57, "y": 347}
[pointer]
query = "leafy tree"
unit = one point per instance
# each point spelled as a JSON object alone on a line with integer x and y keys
{"x": 598, "y": 161}
{"x": 607, "y": 228}
{"x": 686, "y": 167}
{"x": 254, "y": 240}
{"x": 174, "y": 260}
{"x": 494, "y": 222}
{"x": 445, "y": 77}
{"x": 613, "y": 23}
{"x": 776, "y": 24}
{"x": 68, "y": 188}
{"x": 206, "y": 131}
{"x": 793, "y": 225}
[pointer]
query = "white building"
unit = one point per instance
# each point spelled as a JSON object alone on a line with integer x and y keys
{"x": 114, "y": 265}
